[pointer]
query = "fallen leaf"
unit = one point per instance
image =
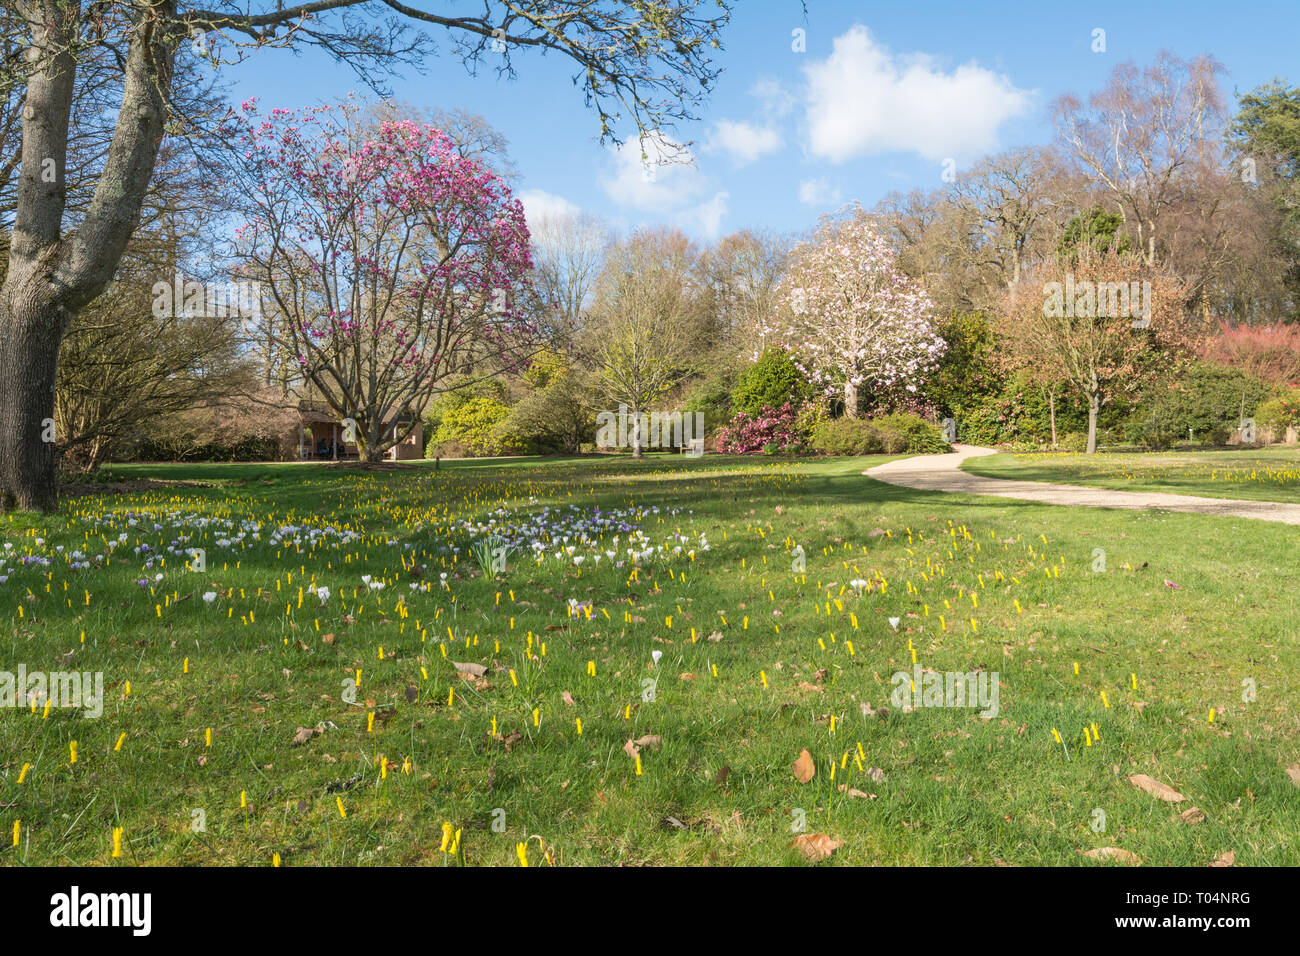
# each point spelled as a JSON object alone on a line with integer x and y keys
{"x": 816, "y": 846}
{"x": 472, "y": 670}
{"x": 1157, "y": 789}
{"x": 305, "y": 734}
{"x": 854, "y": 792}
{"x": 1170, "y": 584}
{"x": 804, "y": 768}
{"x": 1226, "y": 860}
{"x": 1192, "y": 815}
{"x": 567, "y": 698}
{"x": 1293, "y": 772}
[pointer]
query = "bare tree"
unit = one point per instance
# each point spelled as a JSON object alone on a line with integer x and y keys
{"x": 1143, "y": 134}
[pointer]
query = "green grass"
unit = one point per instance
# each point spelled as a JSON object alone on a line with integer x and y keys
{"x": 1268, "y": 474}
{"x": 956, "y": 788}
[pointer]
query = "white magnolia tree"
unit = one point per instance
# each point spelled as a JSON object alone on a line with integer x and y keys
{"x": 851, "y": 318}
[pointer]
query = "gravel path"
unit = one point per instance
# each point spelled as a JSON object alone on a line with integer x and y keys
{"x": 943, "y": 473}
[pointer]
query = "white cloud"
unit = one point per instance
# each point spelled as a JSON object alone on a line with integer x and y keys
{"x": 818, "y": 192}
{"x": 539, "y": 205}
{"x": 776, "y": 100}
{"x": 744, "y": 141}
{"x": 706, "y": 218}
{"x": 665, "y": 178}
{"x": 863, "y": 100}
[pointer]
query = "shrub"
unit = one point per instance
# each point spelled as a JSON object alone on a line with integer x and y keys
{"x": 847, "y": 436}
{"x": 1280, "y": 413}
{"x": 1073, "y": 441}
{"x": 1207, "y": 400}
{"x": 749, "y": 434}
{"x": 475, "y": 426}
{"x": 910, "y": 434}
{"x": 713, "y": 401}
{"x": 770, "y": 382}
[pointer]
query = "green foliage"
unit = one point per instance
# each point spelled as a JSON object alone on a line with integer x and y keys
{"x": 473, "y": 428}
{"x": 1280, "y": 413}
{"x": 454, "y": 399}
{"x": 967, "y": 373}
{"x": 1207, "y": 400}
{"x": 847, "y": 436}
{"x": 770, "y": 382}
{"x": 713, "y": 399}
{"x": 559, "y": 415}
{"x": 904, "y": 433}
{"x": 1095, "y": 232}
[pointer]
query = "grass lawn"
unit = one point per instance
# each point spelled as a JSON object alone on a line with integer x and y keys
{"x": 1266, "y": 474}
{"x": 758, "y": 660}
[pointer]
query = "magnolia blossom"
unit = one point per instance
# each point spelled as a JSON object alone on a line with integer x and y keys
{"x": 853, "y": 319}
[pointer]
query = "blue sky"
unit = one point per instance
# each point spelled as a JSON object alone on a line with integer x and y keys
{"x": 880, "y": 97}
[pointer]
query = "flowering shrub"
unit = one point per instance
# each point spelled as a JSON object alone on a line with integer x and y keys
{"x": 748, "y": 434}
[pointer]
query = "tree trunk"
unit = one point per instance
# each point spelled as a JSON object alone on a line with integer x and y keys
{"x": 30, "y": 332}
{"x": 636, "y": 433}
{"x": 1051, "y": 409}
{"x": 850, "y": 400}
{"x": 1094, "y": 406}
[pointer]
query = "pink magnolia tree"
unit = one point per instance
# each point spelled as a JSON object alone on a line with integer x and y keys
{"x": 851, "y": 318}
{"x": 388, "y": 262}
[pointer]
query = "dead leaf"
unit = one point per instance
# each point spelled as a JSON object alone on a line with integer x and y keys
{"x": 876, "y": 774}
{"x": 715, "y": 636}
{"x": 1192, "y": 815}
{"x": 649, "y": 742}
{"x": 854, "y": 792}
{"x": 804, "y": 768}
{"x": 305, "y": 734}
{"x": 816, "y": 846}
{"x": 1293, "y": 772}
{"x": 1113, "y": 853}
{"x": 687, "y": 675}
{"x": 1226, "y": 860}
{"x": 470, "y": 670}
{"x": 567, "y": 698}
{"x": 1157, "y": 789}
{"x": 1170, "y": 584}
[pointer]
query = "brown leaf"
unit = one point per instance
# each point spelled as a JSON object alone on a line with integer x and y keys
{"x": 687, "y": 675}
{"x": 804, "y": 768}
{"x": 816, "y": 846}
{"x": 1112, "y": 853}
{"x": 1226, "y": 860}
{"x": 1192, "y": 815}
{"x": 649, "y": 741}
{"x": 854, "y": 792}
{"x": 567, "y": 698}
{"x": 1157, "y": 789}
{"x": 715, "y": 636}
{"x": 469, "y": 670}
{"x": 305, "y": 734}
{"x": 1293, "y": 772}
{"x": 327, "y": 638}
{"x": 720, "y": 778}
